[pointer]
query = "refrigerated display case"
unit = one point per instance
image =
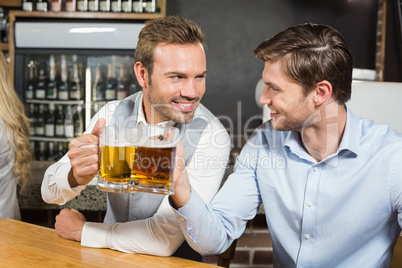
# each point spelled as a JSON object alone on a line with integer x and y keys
{"x": 64, "y": 80}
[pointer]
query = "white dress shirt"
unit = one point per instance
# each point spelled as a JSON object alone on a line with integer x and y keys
{"x": 160, "y": 234}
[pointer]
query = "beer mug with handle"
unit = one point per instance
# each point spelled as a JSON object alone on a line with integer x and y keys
{"x": 153, "y": 164}
{"x": 137, "y": 159}
{"x": 117, "y": 152}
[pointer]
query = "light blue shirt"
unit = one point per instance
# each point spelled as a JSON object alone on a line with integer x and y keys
{"x": 344, "y": 211}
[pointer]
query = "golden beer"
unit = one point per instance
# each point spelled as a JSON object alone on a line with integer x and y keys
{"x": 116, "y": 163}
{"x": 137, "y": 159}
{"x": 153, "y": 166}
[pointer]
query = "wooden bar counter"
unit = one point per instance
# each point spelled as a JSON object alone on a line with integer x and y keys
{"x": 27, "y": 245}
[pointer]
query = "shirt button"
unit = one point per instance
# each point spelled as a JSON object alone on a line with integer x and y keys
{"x": 314, "y": 169}
{"x": 307, "y": 236}
{"x": 309, "y": 204}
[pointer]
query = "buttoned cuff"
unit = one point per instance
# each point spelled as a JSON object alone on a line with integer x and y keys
{"x": 94, "y": 234}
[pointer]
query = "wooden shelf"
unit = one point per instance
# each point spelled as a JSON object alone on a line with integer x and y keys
{"x": 85, "y": 15}
{"x": 4, "y": 46}
{"x": 10, "y": 3}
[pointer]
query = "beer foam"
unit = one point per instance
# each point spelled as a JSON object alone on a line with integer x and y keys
{"x": 142, "y": 143}
{"x": 157, "y": 144}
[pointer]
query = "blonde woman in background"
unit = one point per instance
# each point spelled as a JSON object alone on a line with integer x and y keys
{"x": 15, "y": 150}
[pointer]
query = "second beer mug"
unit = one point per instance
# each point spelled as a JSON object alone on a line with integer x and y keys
{"x": 138, "y": 159}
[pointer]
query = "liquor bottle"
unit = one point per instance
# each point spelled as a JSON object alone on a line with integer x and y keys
{"x": 41, "y": 5}
{"x": 111, "y": 83}
{"x": 150, "y": 6}
{"x": 68, "y": 122}
{"x": 63, "y": 83}
{"x": 78, "y": 123}
{"x": 41, "y": 152}
{"x": 50, "y": 155}
{"x": 123, "y": 83}
{"x": 115, "y": 5}
{"x": 82, "y": 5}
{"x": 50, "y": 121}
{"x": 59, "y": 150}
{"x": 137, "y": 6}
{"x": 70, "y": 5}
{"x": 33, "y": 149}
{"x": 31, "y": 82}
{"x": 40, "y": 91}
{"x": 27, "y": 5}
{"x": 126, "y": 6}
{"x": 99, "y": 87}
{"x": 51, "y": 89}
{"x": 93, "y": 5}
{"x": 76, "y": 85}
{"x": 55, "y": 5}
{"x": 31, "y": 114}
{"x": 104, "y": 5}
{"x": 59, "y": 126}
{"x": 40, "y": 122}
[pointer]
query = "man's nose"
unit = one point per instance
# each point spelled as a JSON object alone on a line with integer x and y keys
{"x": 265, "y": 97}
{"x": 189, "y": 90}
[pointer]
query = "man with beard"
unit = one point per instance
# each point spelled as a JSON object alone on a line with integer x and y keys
{"x": 170, "y": 66}
{"x": 330, "y": 182}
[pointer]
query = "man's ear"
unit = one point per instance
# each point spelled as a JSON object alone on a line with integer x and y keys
{"x": 323, "y": 92}
{"x": 141, "y": 73}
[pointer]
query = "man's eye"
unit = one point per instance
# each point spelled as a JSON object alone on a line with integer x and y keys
{"x": 273, "y": 88}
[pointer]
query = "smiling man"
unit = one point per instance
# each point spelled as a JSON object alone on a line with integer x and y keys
{"x": 333, "y": 197}
{"x": 170, "y": 66}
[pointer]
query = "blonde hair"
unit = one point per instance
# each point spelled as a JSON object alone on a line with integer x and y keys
{"x": 12, "y": 112}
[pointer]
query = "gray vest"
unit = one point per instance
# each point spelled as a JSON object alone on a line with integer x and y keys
{"x": 138, "y": 205}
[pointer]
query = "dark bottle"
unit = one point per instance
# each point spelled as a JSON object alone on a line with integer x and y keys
{"x": 123, "y": 85}
{"x": 63, "y": 83}
{"x": 3, "y": 25}
{"x": 126, "y": 6}
{"x": 60, "y": 150}
{"x": 50, "y": 121}
{"x": 137, "y": 6}
{"x": 104, "y": 5}
{"x": 150, "y": 6}
{"x": 40, "y": 121}
{"x": 68, "y": 122}
{"x": 31, "y": 114}
{"x": 76, "y": 85}
{"x": 33, "y": 149}
{"x": 93, "y": 5}
{"x": 40, "y": 91}
{"x": 31, "y": 82}
{"x": 27, "y": 5}
{"x": 51, "y": 89}
{"x": 50, "y": 156}
{"x": 59, "y": 124}
{"x": 41, "y": 152}
{"x": 111, "y": 85}
{"x": 78, "y": 123}
{"x": 99, "y": 86}
{"x": 115, "y": 5}
{"x": 41, "y": 5}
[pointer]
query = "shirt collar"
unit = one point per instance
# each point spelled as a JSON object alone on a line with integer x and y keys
{"x": 350, "y": 139}
{"x": 351, "y": 135}
{"x": 142, "y": 121}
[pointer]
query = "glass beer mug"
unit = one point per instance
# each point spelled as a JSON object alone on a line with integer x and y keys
{"x": 137, "y": 159}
